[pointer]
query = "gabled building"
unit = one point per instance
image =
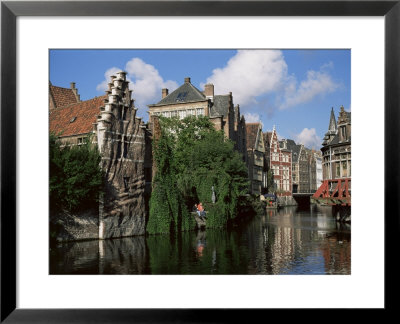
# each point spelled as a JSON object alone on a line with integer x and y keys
{"x": 318, "y": 169}
{"x": 187, "y": 100}
{"x": 280, "y": 162}
{"x": 294, "y": 150}
{"x": 110, "y": 122}
{"x": 255, "y": 157}
{"x": 61, "y": 97}
{"x": 336, "y": 147}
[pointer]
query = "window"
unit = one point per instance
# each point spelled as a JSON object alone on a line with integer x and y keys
{"x": 344, "y": 168}
{"x": 182, "y": 114}
{"x": 181, "y": 96}
{"x": 343, "y": 132}
{"x": 200, "y": 111}
{"x": 174, "y": 113}
{"x": 166, "y": 114}
{"x": 338, "y": 170}
{"x": 125, "y": 149}
{"x": 191, "y": 112}
{"x": 126, "y": 184}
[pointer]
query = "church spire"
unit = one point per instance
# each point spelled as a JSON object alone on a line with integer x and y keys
{"x": 332, "y": 122}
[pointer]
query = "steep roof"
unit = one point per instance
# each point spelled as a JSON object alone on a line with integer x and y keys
{"x": 251, "y": 134}
{"x": 332, "y": 122}
{"x": 185, "y": 93}
{"x": 220, "y": 106}
{"x": 295, "y": 148}
{"x": 76, "y": 118}
{"x": 62, "y": 96}
{"x": 267, "y": 139}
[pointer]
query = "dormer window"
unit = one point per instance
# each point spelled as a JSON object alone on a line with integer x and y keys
{"x": 343, "y": 132}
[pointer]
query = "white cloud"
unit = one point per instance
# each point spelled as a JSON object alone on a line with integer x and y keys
{"x": 309, "y": 138}
{"x": 250, "y": 73}
{"x": 145, "y": 81}
{"x": 252, "y": 118}
{"x": 104, "y": 85}
{"x": 317, "y": 83}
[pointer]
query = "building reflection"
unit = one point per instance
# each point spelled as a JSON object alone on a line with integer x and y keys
{"x": 115, "y": 256}
{"x": 287, "y": 234}
{"x": 284, "y": 241}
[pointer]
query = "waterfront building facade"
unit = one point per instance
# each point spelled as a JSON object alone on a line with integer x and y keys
{"x": 304, "y": 167}
{"x": 110, "y": 122}
{"x": 255, "y": 157}
{"x": 318, "y": 169}
{"x": 280, "y": 162}
{"x": 187, "y": 100}
{"x": 294, "y": 149}
{"x": 336, "y": 147}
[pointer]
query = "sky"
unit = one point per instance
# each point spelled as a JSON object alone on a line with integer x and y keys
{"x": 293, "y": 90}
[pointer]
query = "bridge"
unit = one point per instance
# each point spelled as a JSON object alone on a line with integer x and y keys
{"x": 333, "y": 192}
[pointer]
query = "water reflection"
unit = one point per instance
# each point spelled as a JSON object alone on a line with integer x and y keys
{"x": 287, "y": 241}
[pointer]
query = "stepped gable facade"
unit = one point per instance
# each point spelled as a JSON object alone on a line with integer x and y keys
{"x": 280, "y": 162}
{"x": 255, "y": 157}
{"x": 336, "y": 147}
{"x": 187, "y": 100}
{"x": 120, "y": 136}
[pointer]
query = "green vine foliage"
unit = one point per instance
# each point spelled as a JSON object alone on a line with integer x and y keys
{"x": 75, "y": 175}
{"x": 191, "y": 157}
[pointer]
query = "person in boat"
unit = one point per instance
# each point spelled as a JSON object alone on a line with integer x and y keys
{"x": 200, "y": 211}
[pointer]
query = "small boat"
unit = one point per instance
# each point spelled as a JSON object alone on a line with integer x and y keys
{"x": 272, "y": 205}
{"x": 271, "y": 201}
{"x": 201, "y": 222}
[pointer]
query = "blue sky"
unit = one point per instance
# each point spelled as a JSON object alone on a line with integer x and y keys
{"x": 291, "y": 89}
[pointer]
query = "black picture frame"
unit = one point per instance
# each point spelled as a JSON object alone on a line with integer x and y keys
{"x": 10, "y": 10}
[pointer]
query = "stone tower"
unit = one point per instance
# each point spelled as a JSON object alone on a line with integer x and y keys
{"x": 121, "y": 142}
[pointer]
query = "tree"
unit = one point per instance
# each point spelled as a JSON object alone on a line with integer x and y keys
{"x": 75, "y": 175}
{"x": 191, "y": 158}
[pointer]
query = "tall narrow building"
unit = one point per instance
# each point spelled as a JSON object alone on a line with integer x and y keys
{"x": 110, "y": 122}
{"x": 336, "y": 147}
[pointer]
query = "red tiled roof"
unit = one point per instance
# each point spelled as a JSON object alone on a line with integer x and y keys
{"x": 251, "y": 134}
{"x": 62, "y": 96}
{"x": 62, "y": 121}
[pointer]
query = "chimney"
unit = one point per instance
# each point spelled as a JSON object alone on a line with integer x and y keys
{"x": 164, "y": 93}
{"x": 75, "y": 91}
{"x": 209, "y": 90}
{"x": 187, "y": 80}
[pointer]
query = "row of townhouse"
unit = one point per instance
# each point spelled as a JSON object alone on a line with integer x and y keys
{"x": 125, "y": 140}
{"x": 294, "y": 168}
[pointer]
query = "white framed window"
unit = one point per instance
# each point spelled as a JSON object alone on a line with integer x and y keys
{"x": 191, "y": 112}
{"x": 174, "y": 113}
{"x": 166, "y": 114}
{"x": 200, "y": 111}
{"x": 182, "y": 114}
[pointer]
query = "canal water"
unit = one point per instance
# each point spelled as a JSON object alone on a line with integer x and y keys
{"x": 284, "y": 242}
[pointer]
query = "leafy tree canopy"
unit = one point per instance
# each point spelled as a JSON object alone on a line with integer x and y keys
{"x": 192, "y": 157}
{"x": 75, "y": 175}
